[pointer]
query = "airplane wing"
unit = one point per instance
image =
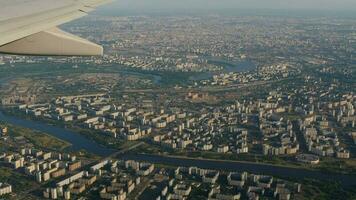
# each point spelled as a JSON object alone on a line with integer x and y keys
{"x": 29, "y": 27}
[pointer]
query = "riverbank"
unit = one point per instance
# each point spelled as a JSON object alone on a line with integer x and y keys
{"x": 78, "y": 141}
{"x": 326, "y": 165}
{"x": 257, "y": 168}
{"x": 39, "y": 139}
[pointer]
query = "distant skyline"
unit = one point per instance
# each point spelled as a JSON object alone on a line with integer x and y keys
{"x": 336, "y": 5}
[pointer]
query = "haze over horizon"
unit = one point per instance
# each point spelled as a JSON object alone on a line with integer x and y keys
{"x": 325, "y": 5}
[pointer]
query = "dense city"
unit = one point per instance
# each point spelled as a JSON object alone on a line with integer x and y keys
{"x": 266, "y": 91}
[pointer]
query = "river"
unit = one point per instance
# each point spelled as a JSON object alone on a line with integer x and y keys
{"x": 79, "y": 142}
{"x": 155, "y": 78}
{"x": 256, "y": 168}
{"x": 229, "y": 66}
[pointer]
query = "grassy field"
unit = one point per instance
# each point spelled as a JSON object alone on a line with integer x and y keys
{"x": 39, "y": 139}
{"x": 58, "y": 69}
{"x": 312, "y": 189}
{"x": 19, "y": 181}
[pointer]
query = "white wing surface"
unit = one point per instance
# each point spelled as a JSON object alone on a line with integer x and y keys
{"x": 28, "y": 27}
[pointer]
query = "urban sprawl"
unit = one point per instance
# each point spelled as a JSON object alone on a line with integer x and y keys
{"x": 279, "y": 91}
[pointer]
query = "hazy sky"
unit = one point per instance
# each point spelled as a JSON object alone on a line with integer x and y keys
{"x": 237, "y": 4}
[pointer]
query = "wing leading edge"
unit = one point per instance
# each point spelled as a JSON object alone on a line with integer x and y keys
{"x": 34, "y": 31}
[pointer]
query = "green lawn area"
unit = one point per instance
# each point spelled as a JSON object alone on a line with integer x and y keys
{"x": 312, "y": 189}
{"x": 39, "y": 139}
{"x": 19, "y": 181}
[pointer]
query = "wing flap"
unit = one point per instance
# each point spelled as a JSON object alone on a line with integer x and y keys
{"x": 53, "y": 42}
